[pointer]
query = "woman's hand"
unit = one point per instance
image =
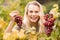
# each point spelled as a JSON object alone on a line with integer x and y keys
{"x": 52, "y": 11}
{"x": 13, "y": 14}
{"x": 10, "y": 25}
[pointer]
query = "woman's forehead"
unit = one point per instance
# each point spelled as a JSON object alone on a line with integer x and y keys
{"x": 30, "y": 7}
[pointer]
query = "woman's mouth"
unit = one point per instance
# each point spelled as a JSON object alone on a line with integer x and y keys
{"x": 34, "y": 18}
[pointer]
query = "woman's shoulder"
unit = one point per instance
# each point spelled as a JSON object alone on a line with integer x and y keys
{"x": 16, "y": 27}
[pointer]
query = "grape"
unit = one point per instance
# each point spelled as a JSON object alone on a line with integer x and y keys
{"x": 51, "y": 16}
{"x": 18, "y": 20}
{"x": 49, "y": 23}
{"x": 51, "y": 20}
{"x": 46, "y": 16}
{"x": 48, "y": 30}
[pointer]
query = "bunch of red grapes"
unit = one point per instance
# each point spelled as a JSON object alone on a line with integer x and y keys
{"x": 18, "y": 20}
{"x": 49, "y": 23}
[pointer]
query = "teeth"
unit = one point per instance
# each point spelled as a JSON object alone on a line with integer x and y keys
{"x": 33, "y": 18}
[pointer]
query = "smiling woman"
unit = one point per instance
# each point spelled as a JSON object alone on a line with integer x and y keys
{"x": 34, "y": 16}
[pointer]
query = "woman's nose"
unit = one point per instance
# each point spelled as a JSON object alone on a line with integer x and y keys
{"x": 33, "y": 13}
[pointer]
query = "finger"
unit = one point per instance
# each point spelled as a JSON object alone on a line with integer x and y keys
{"x": 16, "y": 11}
{"x": 13, "y": 13}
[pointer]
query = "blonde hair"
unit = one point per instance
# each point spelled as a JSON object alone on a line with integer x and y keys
{"x": 26, "y": 21}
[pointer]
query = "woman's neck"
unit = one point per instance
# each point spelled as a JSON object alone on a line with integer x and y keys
{"x": 34, "y": 24}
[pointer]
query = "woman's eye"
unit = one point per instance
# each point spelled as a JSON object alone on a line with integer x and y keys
{"x": 31, "y": 11}
{"x": 36, "y": 11}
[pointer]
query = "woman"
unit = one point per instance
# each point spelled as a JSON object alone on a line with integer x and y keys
{"x": 33, "y": 16}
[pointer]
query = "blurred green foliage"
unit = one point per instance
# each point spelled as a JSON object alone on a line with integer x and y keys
{"x": 49, "y": 5}
{"x": 6, "y": 6}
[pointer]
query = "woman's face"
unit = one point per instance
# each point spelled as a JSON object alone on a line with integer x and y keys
{"x": 33, "y": 13}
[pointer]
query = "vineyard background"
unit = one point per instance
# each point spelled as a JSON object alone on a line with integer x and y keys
{"x": 6, "y": 6}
